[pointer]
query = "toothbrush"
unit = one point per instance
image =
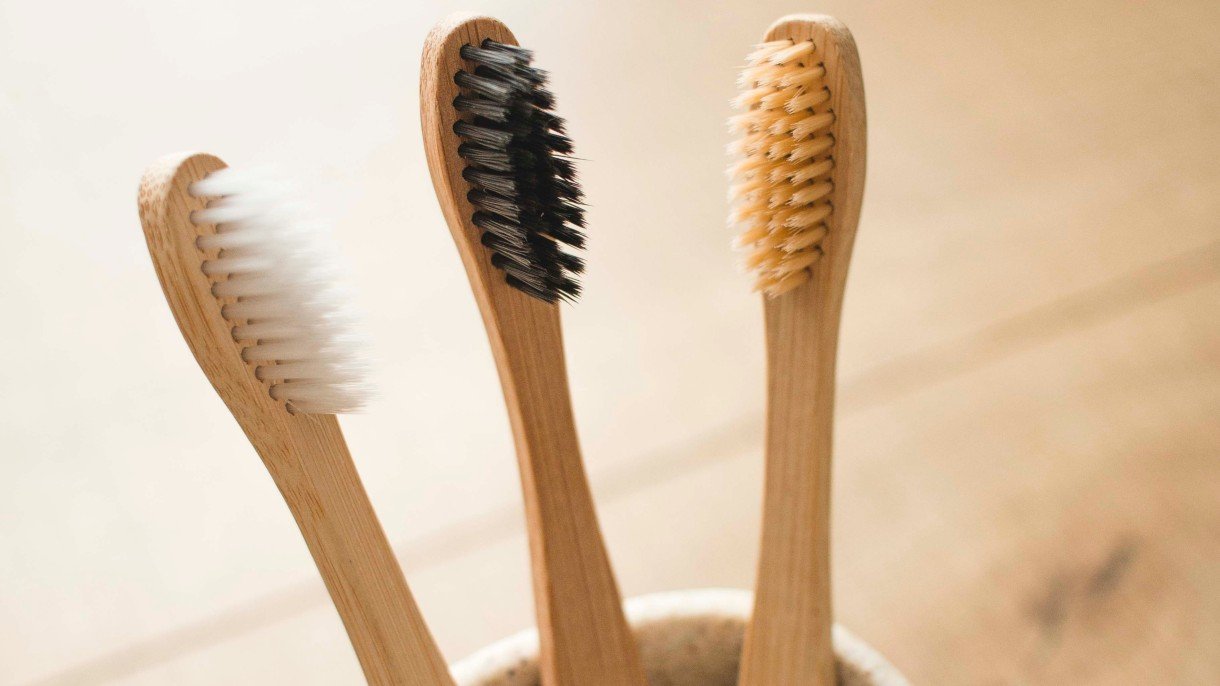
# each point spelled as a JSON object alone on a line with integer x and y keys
{"x": 246, "y": 274}
{"x": 796, "y": 194}
{"x": 498, "y": 159}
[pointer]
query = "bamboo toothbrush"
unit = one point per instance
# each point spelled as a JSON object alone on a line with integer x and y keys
{"x": 246, "y": 275}
{"x": 796, "y": 193}
{"x": 499, "y": 163}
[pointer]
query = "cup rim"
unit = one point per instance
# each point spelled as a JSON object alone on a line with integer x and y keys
{"x": 648, "y": 609}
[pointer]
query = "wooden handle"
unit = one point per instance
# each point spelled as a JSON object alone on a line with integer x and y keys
{"x": 305, "y": 454}
{"x": 310, "y": 463}
{"x": 788, "y": 641}
{"x": 583, "y": 633}
{"x": 585, "y": 637}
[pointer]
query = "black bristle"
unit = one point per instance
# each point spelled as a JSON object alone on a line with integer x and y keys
{"x": 522, "y": 182}
{"x": 495, "y": 204}
{"x": 571, "y": 262}
{"x": 500, "y": 226}
{"x": 481, "y": 107}
{"x": 506, "y": 248}
{"x": 485, "y": 158}
{"x": 497, "y": 182}
{"x": 486, "y": 85}
{"x": 501, "y": 58}
{"x": 482, "y": 134}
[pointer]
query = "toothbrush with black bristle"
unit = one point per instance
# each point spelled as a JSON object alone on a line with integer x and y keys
{"x": 249, "y": 276}
{"x": 796, "y": 192}
{"x": 499, "y": 162}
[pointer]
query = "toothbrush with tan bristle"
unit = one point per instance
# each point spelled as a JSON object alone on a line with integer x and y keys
{"x": 248, "y": 277}
{"x": 499, "y": 162}
{"x": 796, "y": 195}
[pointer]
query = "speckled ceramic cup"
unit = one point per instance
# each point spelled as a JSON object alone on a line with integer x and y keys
{"x": 686, "y": 638}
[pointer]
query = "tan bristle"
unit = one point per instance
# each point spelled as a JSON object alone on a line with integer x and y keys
{"x": 781, "y": 185}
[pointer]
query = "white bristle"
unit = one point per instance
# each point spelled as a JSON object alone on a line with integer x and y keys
{"x": 278, "y": 272}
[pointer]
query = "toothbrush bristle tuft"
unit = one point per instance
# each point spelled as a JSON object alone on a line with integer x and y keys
{"x": 522, "y": 181}
{"x": 274, "y": 269}
{"x": 782, "y": 183}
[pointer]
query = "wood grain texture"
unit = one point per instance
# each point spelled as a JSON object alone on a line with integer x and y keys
{"x": 788, "y": 639}
{"x": 1015, "y": 376}
{"x": 305, "y": 454}
{"x": 583, "y": 633}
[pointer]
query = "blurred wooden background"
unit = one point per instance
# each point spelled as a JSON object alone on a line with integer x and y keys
{"x": 1027, "y": 470}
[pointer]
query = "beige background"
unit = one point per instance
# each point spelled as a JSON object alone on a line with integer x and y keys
{"x": 1027, "y": 479}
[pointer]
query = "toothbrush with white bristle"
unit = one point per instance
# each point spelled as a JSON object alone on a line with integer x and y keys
{"x": 250, "y": 278}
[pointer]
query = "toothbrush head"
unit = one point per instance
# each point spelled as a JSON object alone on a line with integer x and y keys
{"x": 521, "y": 179}
{"x": 252, "y": 264}
{"x": 800, "y": 160}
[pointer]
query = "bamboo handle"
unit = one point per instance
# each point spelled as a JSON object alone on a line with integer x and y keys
{"x": 788, "y": 641}
{"x": 310, "y": 464}
{"x": 584, "y": 637}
